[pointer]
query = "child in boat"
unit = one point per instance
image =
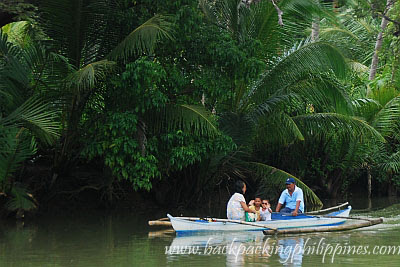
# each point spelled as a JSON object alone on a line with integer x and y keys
{"x": 265, "y": 212}
{"x": 256, "y": 206}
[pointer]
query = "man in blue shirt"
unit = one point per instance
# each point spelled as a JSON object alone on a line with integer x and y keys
{"x": 292, "y": 197}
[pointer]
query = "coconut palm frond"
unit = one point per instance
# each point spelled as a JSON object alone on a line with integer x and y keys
{"x": 20, "y": 199}
{"x": 313, "y": 57}
{"x": 334, "y": 31}
{"x": 87, "y": 77}
{"x": 337, "y": 124}
{"x": 36, "y": 115}
{"x": 358, "y": 67}
{"x": 78, "y": 29}
{"x": 381, "y": 91}
{"x": 16, "y": 147}
{"x": 366, "y": 108}
{"x": 47, "y": 71}
{"x": 238, "y": 126}
{"x": 352, "y": 36}
{"x": 297, "y": 16}
{"x": 27, "y": 72}
{"x": 277, "y": 130}
{"x": 271, "y": 176}
{"x": 385, "y": 121}
{"x": 390, "y": 163}
{"x": 194, "y": 119}
{"x": 13, "y": 68}
{"x": 324, "y": 92}
{"x": 7, "y": 48}
{"x": 143, "y": 38}
{"x": 270, "y": 105}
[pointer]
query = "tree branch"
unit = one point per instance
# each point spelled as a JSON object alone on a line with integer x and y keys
{"x": 389, "y": 19}
{"x": 280, "y": 21}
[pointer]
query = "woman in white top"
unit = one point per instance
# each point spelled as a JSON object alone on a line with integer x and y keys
{"x": 237, "y": 207}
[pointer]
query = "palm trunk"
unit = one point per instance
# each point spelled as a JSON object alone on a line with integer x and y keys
{"x": 379, "y": 39}
{"x": 369, "y": 182}
{"x": 335, "y": 5}
{"x": 315, "y": 29}
{"x": 396, "y": 62}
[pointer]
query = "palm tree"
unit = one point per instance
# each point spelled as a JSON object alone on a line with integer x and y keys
{"x": 85, "y": 33}
{"x": 381, "y": 110}
{"x": 89, "y": 34}
{"x": 374, "y": 102}
{"x": 26, "y": 117}
{"x": 272, "y": 108}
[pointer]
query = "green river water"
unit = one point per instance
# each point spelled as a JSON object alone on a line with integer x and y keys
{"x": 125, "y": 240}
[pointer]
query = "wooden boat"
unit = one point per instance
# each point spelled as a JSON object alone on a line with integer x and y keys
{"x": 279, "y": 222}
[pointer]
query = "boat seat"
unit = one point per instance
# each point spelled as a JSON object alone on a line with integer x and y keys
{"x": 288, "y": 216}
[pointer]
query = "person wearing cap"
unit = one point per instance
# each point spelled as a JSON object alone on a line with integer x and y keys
{"x": 292, "y": 197}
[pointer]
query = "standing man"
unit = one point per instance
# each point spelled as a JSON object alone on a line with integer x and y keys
{"x": 292, "y": 197}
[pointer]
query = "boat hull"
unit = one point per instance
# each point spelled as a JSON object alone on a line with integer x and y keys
{"x": 182, "y": 225}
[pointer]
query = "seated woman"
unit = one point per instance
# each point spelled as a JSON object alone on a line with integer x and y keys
{"x": 266, "y": 212}
{"x": 237, "y": 207}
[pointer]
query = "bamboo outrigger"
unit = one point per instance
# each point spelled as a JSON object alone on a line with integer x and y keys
{"x": 336, "y": 228}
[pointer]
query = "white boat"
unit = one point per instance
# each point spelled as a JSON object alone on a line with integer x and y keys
{"x": 279, "y": 221}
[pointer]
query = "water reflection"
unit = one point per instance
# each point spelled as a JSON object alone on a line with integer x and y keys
{"x": 124, "y": 240}
{"x": 20, "y": 238}
{"x": 291, "y": 251}
{"x": 239, "y": 249}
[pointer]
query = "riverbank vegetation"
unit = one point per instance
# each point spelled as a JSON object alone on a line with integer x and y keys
{"x": 116, "y": 102}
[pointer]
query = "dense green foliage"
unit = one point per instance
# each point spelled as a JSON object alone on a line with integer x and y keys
{"x": 182, "y": 98}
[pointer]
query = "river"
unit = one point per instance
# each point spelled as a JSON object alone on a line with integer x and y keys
{"x": 124, "y": 239}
